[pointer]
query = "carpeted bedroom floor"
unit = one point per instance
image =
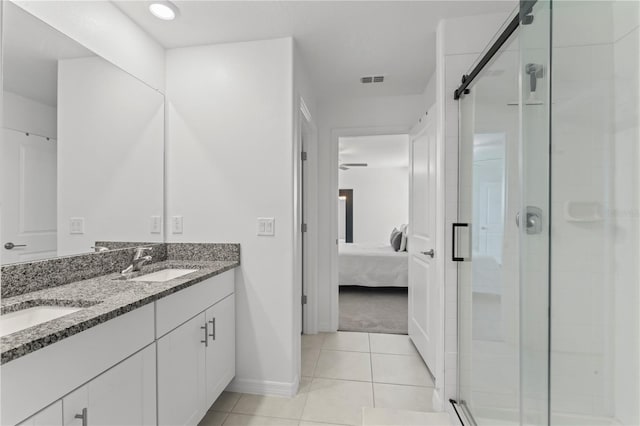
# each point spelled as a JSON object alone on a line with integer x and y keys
{"x": 373, "y": 309}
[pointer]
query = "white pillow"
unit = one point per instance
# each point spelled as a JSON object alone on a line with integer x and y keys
{"x": 403, "y": 242}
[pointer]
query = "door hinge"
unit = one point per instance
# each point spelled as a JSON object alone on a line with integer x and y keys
{"x": 304, "y": 299}
{"x": 303, "y": 156}
{"x": 303, "y": 227}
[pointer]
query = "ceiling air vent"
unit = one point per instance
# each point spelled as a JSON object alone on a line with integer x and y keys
{"x": 372, "y": 79}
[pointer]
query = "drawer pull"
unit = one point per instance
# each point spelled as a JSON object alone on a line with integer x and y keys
{"x": 213, "y": 326}
{"x": 83, "y": 416}
{"x": 205, "y": 327}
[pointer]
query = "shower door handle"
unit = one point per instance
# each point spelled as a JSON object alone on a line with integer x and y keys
{"x": 454, "y": 227}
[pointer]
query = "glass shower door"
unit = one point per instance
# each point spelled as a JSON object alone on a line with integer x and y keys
{"x": 534, "y": 213}
{"x": 488, "y": 278}
{"x": 549, "y": 318}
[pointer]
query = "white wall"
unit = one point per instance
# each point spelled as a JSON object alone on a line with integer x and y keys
{"x": 30, "y": 116}
{"x": 230, "y": 160}
{"x": 103, "y": 28}
{"x": 380, "y": 201}
{"x": 594, "y": 277}
{"x": 110, "y": 154}
{"x": 626, "y": 206}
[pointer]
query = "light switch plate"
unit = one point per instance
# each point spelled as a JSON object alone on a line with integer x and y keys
{"x": 176, "y": 224}
{"x": 266, "y": 226}
{"x": 76, "y": 225}
{"x": 156, "y": 225}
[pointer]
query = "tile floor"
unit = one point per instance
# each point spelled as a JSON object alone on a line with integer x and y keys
{"x": 342, "y": 373}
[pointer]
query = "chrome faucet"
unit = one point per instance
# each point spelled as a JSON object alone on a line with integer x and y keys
{"x": 139, "y": 259}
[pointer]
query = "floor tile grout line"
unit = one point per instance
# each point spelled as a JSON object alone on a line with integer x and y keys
{"x": 315, "y": 364}
{"x": 344, "y": 380}
{"x": 305, "y": 404}
{"x": 373, "y": 390}
{"x": 404, "y": 384}
{"x": 236, "y": 403}
{"x": 269, "y": 417}
{"x": 374, "y": 382}
{"x": 306, "y": 398}
{"x": 344, "y": 350}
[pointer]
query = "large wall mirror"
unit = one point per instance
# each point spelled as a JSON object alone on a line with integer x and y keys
{"x": 82, "y": 148}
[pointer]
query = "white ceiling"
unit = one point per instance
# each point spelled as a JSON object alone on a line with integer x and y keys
{"x": 339, "y": 40}
{"x": 380, "y": 151}
{"x": 31, "y": 53}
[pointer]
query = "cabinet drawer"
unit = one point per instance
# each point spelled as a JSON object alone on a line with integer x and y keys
{"x": 42, "y": 377}
{"x": 178, "y": 308}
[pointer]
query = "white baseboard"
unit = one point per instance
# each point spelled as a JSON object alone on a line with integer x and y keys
{"x": 325, "y": 328}
{"x": 436, "y": 401}
{"x": 264, "y": 387}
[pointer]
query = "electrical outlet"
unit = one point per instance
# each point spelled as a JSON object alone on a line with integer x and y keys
{"x": 76, "y": 225}
{"x": 176, "y": 224}
{"x": 266, "y": 226}
{"x": 156, "y": 225}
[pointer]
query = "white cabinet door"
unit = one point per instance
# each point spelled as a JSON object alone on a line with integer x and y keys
{"x": 50, "y": 416}
{"x": 221, "y": 351}
{"x": 181, "y": 374}
{"x": 123, "y": 395}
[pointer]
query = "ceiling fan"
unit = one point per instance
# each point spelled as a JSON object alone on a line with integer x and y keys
{"x": 347, "y": 166}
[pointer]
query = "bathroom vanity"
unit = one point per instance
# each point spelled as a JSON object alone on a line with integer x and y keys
{"x": 155, "y": 348}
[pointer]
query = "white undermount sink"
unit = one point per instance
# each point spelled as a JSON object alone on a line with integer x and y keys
{"x": 163, "y": 275}
{"x": 25, "y": 318}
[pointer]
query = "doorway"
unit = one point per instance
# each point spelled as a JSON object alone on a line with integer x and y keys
{"x": 373, "y": 206}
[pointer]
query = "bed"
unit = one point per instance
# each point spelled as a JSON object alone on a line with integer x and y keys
{"x": 372, "y": 265}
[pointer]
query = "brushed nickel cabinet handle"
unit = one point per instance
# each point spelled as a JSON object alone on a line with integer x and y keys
{"x": 205, "y": 327}
{"x": 213, "y": 326}
{"x": 83, "y": 416}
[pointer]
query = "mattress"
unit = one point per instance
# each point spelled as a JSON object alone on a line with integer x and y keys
{"x": 372, "y": 265}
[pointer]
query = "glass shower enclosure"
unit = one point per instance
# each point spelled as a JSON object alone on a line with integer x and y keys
{"x": 548, "y": 240}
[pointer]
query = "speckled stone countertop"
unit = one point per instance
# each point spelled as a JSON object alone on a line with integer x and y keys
{"x": 103, "y": 298}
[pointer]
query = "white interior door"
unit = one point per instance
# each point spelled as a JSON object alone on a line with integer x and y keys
{"x": 488, "y": 188}
{"x": 28, "y": 196}
{"x": 424, "y": 297}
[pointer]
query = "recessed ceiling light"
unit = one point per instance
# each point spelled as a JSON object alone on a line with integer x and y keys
{"x": 164, "y": 10}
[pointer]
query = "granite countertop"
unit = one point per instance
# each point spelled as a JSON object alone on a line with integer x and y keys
{"x": 103, "y": 298}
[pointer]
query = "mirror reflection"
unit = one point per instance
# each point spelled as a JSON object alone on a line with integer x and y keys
{"x": 82, "y": 149}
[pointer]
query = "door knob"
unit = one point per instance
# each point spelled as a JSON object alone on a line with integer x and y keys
{"x": 431, "y": 253}
{"x": 10, "y": 245}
